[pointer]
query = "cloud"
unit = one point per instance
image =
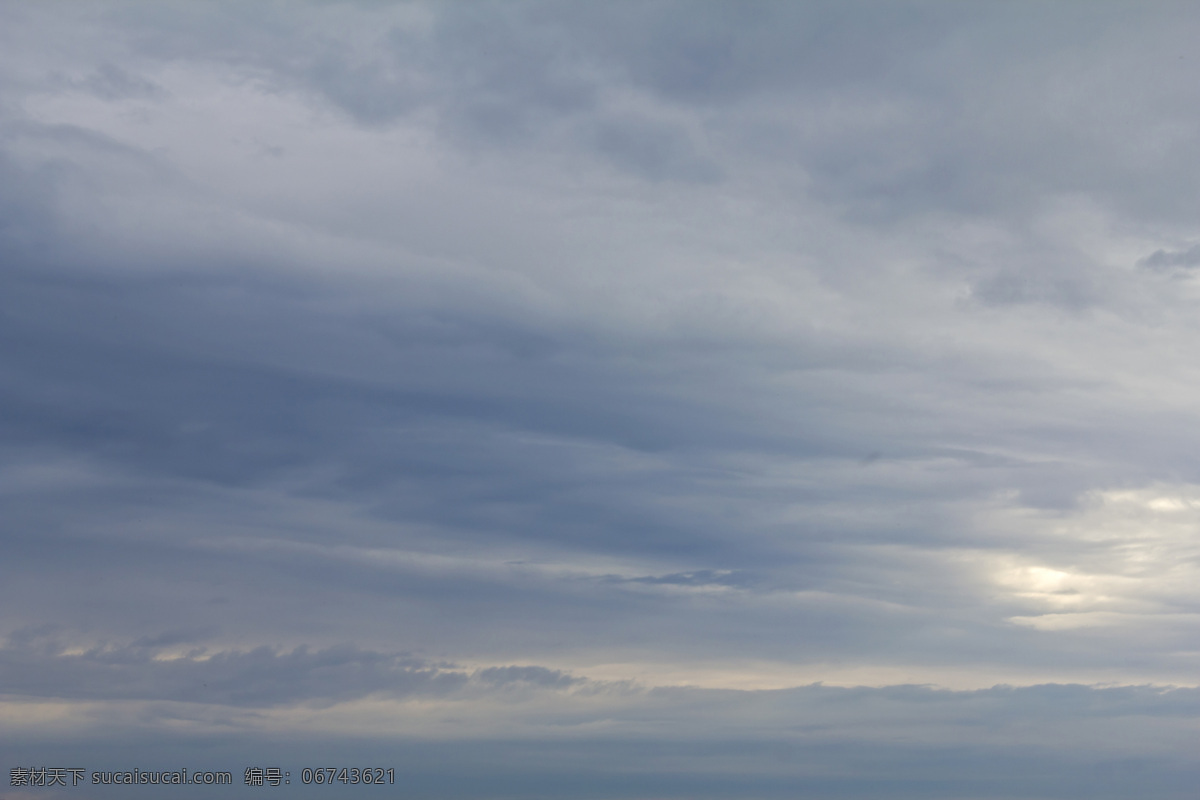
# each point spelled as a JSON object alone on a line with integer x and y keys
{"x": 436, "y": 373}
{"x": 1166, "y": 261}
{"x": 483, "y": 738}
{"x": 655, "y": 151}
{"x": 263, "y": 677}
{"x": 110, "y": 82}
{"x": 537, "y": 676}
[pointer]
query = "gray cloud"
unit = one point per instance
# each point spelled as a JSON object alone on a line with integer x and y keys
{"x": 654, "y": 151}
{"x": 1069, "y": 741}
{"x": 260, "y": 677}
{"x": 110, "y": 82}
{"x": 600, "y": 375}
{"x": 1165, "y": 261}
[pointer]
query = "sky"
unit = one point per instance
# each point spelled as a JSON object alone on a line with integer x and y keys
{"x": 623, "y": 401}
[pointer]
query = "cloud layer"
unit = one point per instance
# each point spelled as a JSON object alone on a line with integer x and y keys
{"x": 648, "y": 400}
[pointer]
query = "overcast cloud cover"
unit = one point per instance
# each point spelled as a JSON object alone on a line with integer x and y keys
{"x": 606, "y": 400}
